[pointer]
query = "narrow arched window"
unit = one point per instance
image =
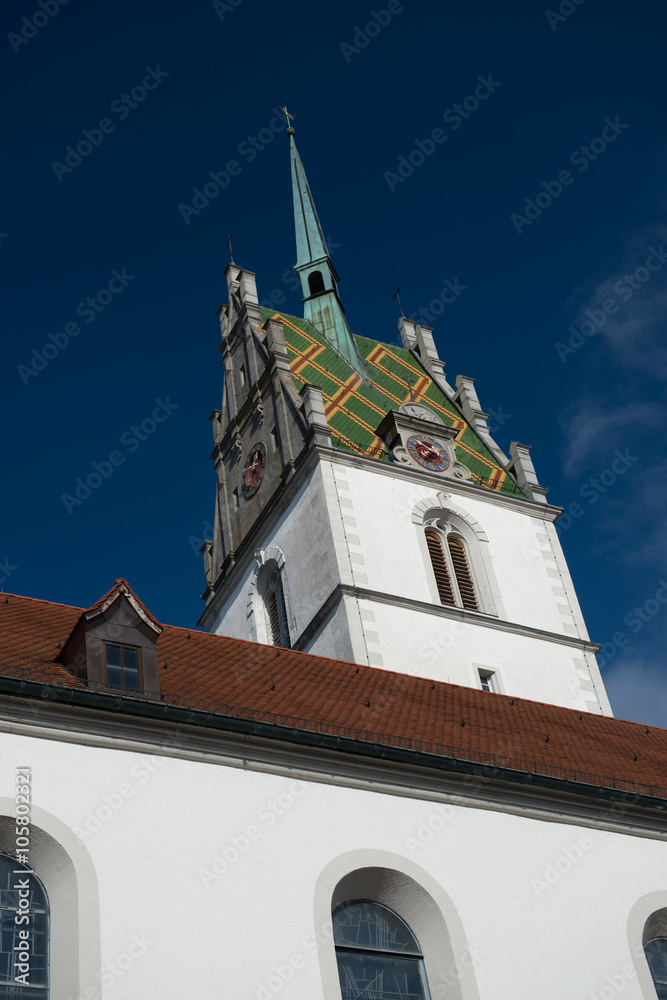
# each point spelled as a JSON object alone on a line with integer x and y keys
{"x": 656, "y": 956}
{"x": 451, "y": 569}
{"x": 24, "y": 933}
{"x": 462, "y": 573}
{"x": 316, "y": 283}
{"x": 378, "y": 956}
{"x": 443, "y": 579}
{"x": 276, "y": 612}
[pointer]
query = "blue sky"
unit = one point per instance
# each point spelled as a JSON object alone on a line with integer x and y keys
{"x": 543, "y": 198}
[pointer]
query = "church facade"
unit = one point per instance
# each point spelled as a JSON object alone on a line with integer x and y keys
{"x": 384, "y": 767}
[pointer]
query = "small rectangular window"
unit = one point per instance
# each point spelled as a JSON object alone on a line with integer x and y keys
{"x": 123, "y": 667}
{"x": 242, "y": 374}
{"x": 486, "y": 680}
{"x": 274, "y": 438}
{"x": 235, "y": 495}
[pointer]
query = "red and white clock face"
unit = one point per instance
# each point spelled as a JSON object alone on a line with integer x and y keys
{"x": 429, "y": 452}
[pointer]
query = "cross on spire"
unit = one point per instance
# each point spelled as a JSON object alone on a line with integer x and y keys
{"x": 288, "y": 116}
{"x": 396, "y": 296}
{"x": 229, "y": 244}
{"x": 406, "y": 378}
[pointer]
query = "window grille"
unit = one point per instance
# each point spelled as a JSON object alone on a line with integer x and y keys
{"x": 13, "y": 947}
{"x": 656, "y": 956}
{"x": 277, "y": 614}
{"x": 378, "y": 956}
{"x": 451, "y": 570}
{"x": 462, "y": 573}
{"x": 442, "y": 578}
{"x": 123, "y": 668}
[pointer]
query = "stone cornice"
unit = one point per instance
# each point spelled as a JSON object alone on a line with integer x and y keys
{"x": 441, "y": 611}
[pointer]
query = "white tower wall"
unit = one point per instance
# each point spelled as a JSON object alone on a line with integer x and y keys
{"x": 359, "y": 583}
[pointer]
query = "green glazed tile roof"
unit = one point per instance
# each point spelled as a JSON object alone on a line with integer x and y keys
{"x": 354, "y": 408}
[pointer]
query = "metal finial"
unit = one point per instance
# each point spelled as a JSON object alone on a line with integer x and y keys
{"x": 229, "y": 244}
{"x": 395, "y": 296}
{"x": 290, "y": 129}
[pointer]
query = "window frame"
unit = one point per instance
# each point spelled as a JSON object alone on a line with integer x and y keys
{"x": 25, "y": 991}
{"x": 122, "y": 646}
{"x": 439, "y": 511}
{"x": 491, "y": 679}
{"x": 442, "y": 531}
{"x": 417, "y": 956}
{"x": 316, "y": 278}
{"x": 276, "y": 590}
{"x": 658, "y": 982}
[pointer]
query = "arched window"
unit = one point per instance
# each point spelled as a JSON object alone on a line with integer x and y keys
{"x": 276, "y": 613}
{"x": 24, "y": 933}
{"x": 451, "y": 569}
{"x": 656, "y": 956}
{"x": 316, "y": 282}
{"x": 378, "y": 956}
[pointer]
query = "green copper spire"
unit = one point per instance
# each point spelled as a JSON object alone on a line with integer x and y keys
{"x": 319, "y": 280}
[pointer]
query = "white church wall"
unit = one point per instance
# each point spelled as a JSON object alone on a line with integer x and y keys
{"x": 210, "y": 878}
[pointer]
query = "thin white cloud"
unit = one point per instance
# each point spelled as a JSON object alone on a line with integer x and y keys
{"x": 639, "y": 518}
{"x": 594, "y": 433}
{"x": 635, "y": 332}
{"x": 637, "y": 690}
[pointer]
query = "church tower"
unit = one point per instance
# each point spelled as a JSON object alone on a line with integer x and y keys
{"x": 364, "y": 512}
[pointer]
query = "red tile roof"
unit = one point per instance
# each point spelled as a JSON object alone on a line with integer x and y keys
{"x": 379, "y": 704}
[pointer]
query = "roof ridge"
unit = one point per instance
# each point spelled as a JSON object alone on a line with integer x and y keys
{"x": 121, "y": 584}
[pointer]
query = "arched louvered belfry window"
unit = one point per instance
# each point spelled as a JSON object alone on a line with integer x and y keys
{"x": 276, "y": 612}
{"x": 459, "y": 557}
{"x": 451, "y": 568}
{"x": 378, "y": 956}
{"x": 24, "y": 957}
{"x": 443, "y": 577}
{"x": 656, "y": 956}
{"x": 316, "y": 282}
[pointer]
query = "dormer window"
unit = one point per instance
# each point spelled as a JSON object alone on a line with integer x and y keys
{"x": 123, "y": 666}
{"x": 114, "y": 643}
